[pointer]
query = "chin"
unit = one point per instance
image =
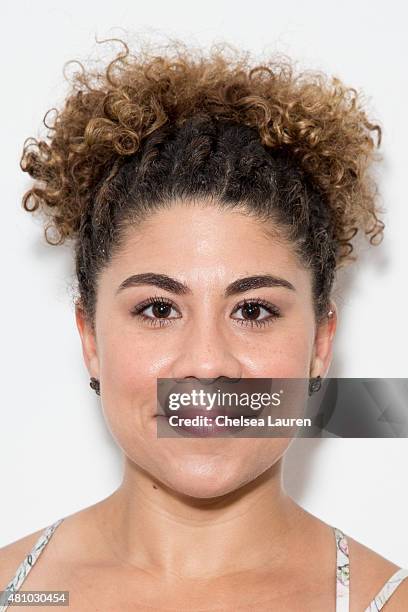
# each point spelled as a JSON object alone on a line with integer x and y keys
{"x": 203, "y": 476}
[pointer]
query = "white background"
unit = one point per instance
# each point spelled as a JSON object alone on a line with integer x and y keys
{"x": 56, "y": 455}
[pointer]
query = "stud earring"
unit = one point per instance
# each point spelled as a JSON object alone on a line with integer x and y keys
{"x": 95, "y": 385}
{"x": 314, "y": 384}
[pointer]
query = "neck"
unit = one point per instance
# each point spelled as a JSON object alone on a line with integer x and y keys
{"x": 148, "y": 525}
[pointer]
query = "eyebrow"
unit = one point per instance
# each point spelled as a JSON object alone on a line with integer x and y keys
{"x": 177, "y": 287}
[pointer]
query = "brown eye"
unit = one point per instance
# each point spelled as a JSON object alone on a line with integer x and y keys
{"x": 251, "y": 310}
{"x": 257, "y": 312}
{"x": 160, "y": 309}
{"x": 155, "y": 310}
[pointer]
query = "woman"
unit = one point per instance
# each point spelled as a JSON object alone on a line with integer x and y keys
{"x": 209, "y": 202}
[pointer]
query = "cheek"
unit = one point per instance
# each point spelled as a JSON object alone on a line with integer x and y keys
{"x": 129, "y": 363}
{"x": 128, "y": 388}
{"x": 286, "y": 354}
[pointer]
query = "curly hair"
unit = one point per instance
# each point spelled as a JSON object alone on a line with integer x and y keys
{"x": 294, "y": 148}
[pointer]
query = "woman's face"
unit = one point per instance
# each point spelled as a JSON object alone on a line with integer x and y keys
{"x": 203, "y": 331}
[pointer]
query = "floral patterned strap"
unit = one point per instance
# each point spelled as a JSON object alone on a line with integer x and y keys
{"x": 343, "y": 579}
{"x": 342, "y": 572}
{"x": 385, "y": 593}
{"x": 27, "y": 564}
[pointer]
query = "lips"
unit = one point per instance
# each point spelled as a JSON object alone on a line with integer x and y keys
{"x": 200, "y": 420}
{"x": 198, "y": 424}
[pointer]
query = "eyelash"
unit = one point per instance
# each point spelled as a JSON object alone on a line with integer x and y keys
{"x": 137, "y": 311}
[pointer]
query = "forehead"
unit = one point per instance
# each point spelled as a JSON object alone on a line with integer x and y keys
{"x": 204, "y": 230}
{"x": 205, "y": 241}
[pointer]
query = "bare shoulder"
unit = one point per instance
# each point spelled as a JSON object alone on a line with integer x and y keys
{"x": 13, "y": 554}
{"x": 369, "y": 572}
{"x": 74, "y": 541}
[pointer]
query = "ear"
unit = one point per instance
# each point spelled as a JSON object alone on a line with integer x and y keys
{"x": 88, "y": 341}
{"x": 323, "y": 344}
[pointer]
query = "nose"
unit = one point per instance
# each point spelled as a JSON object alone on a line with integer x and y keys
{"x": 206, "y": 351}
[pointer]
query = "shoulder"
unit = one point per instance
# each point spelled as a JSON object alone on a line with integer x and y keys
{"x": 13, "y": 554}
{"x": 66, "y": 543}
{"x": 369, "y": 572}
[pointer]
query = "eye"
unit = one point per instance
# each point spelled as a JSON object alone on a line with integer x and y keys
{"x": 156, "y": 311}
{"x": 159, "y": 309}
{"x": 253, "y": 309}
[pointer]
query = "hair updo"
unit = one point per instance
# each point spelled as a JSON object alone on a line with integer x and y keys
{"x": 290, "y": 148}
